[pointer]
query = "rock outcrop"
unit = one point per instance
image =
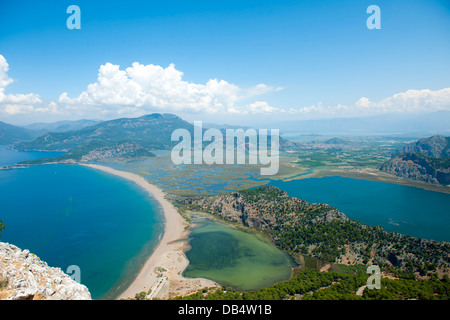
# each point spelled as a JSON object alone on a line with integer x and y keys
{"x": 426, "y": 160}
{"x": 435, "y": 147}
{"x": 23, "y": 276}
{"x": 416, "y": 167}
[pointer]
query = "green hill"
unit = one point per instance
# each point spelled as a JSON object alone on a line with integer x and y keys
{"x": 11, "y": 134}
{"x": 150, "y": 131}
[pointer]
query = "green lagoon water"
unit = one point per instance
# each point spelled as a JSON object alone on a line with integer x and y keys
{"x": 242, "y": 260}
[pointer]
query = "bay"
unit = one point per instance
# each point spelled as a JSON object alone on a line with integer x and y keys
{"x": 74, "y": 215}
{"x": 397, "y": 208}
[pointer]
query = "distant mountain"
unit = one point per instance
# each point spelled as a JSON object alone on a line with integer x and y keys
{"x": 11, "y": 134}
{"x": 399, "y": 124}
{"x": 426, "y": 160}
{"x": 150, "y": 131}
{"x": 435, "y": 147}
{"x": 62, "y": 126}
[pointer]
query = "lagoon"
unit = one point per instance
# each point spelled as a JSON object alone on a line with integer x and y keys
{"x": 237, "y": 258}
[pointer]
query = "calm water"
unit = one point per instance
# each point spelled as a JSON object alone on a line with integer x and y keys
{"x": 74, "y": 215}
{"x": 9, "y": 157}
{"x": 404, "y": 209}
{"x": 233, "y": 257}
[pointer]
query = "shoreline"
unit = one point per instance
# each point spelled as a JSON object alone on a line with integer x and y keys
{"x": 370, "y": 175}
{"x": 161, "y": 275}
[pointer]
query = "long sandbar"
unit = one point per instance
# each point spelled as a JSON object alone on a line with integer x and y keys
{"x": 161, "y": 275}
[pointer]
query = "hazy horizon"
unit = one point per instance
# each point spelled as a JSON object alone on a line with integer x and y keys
{"x": 414, "y": 125}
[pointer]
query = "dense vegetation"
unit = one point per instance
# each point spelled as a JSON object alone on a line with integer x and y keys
{"x": 317, "y": 234}
{"x": 342, "y": 284}
{"x": 322, "y": 232}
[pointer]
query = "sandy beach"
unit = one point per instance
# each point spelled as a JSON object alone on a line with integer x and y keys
{"x": 161, "y": 276}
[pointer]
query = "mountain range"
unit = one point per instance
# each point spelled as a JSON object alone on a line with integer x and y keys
{"x": 10, "y": 133}
{"x": 133, "y": 137}
{"x": 61, "y": 126}
{"x": 150, "y": 131}
{"x": 124, "y": 138}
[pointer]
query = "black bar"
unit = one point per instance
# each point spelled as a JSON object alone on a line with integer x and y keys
{"x": 230, "y": 309}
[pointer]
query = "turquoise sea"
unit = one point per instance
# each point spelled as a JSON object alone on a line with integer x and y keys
{"x": 75, "y": 215}
{"x": 397, "y": 208}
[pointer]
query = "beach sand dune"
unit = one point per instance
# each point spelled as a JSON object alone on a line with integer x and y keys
{"x": 161, "y": 276}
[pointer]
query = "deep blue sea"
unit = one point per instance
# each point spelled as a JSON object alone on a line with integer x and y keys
{"x": 74, "y": 215}
{"x": 404, "y": 209}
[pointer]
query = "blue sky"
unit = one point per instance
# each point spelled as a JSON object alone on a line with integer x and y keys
{"x": 278, "y": 59}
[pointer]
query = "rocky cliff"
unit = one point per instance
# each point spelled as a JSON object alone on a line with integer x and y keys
{"x": 435, "y": 147}
{"x": 267, "y": 209}
{"x": 425, "y": 160}
{"x": 417, "y": 167}
{"x": 23, "y": 276}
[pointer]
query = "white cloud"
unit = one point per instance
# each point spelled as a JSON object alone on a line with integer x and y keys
{"x": 410, "y": 101}
{"x": 4, "y": 78}
{"x": 142, "y": 89}
{"x": 13, "y": 104}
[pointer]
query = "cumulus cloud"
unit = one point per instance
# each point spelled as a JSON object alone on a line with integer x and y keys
{"x": 410, "y": 101}
{"x": 13, "y": 104}
{"x": 152, "y": 88}
{"x": 141, "y": 89}
{"x": 4, "y": 78}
